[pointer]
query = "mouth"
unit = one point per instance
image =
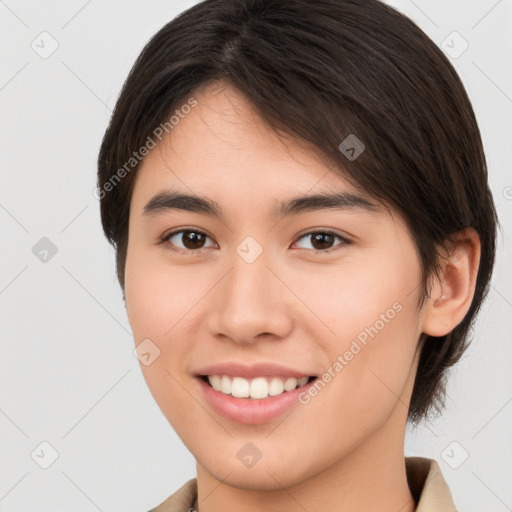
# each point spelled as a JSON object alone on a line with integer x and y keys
{"x": 256, "y": 398}
{"x": 258, "y": 388}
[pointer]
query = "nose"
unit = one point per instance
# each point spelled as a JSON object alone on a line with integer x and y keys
{"x": 251, "y": 302}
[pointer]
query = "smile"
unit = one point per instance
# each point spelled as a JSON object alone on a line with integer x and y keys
{"x": 258, "y": 388}
{"x": 261, "y": 408}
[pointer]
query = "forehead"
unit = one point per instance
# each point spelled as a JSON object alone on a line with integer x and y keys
{"x": 223, "y": 148}
{"x": 224, "y": 128}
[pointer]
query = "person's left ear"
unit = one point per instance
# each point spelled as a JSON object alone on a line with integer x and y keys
{"x": 452, "y": 293}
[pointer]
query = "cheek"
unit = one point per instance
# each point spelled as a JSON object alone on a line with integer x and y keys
{"x": 373, "y": 324}
{"x": 157, "y": 302}
{"x": 158, "y": 296}
{"x": 351, "y": 300}
{"x": 161, "y": 304}
{"x": 366, "y": 379}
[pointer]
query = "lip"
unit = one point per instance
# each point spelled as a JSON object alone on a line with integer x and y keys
{"x": 261, "y": 369}
{"x": 251, "y": 411}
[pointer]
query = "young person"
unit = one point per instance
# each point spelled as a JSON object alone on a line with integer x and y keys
{"x": 298, "y": 198}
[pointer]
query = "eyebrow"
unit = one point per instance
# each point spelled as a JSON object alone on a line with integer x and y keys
{"x": 174, "y": 200}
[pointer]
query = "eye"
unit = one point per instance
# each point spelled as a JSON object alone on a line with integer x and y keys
{"x": 322, "y": 240}
{"x": 191, "y": 239}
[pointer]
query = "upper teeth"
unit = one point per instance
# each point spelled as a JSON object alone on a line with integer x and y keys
{"x": 257, "y": 388}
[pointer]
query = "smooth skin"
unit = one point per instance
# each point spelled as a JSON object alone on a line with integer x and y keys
{"x": 299, "y": 304}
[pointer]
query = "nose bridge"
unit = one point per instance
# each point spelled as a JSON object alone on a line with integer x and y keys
{"x": 247, "y": 303}
{"x": 250, "y": 276}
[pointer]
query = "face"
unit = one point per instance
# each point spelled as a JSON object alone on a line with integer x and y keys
{"x": 260, "y": 297}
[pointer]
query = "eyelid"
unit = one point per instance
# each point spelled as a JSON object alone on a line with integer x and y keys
{"x": 320, "y": 229}
{"x": 172, "y": 232}
{"x": 345, "y": 240}
{"x": 166, "y": 236}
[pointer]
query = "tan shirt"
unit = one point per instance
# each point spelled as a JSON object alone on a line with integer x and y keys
{"x": 426, "y": 482}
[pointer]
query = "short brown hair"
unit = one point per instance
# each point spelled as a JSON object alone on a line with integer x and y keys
{"x": 320, "y": 71}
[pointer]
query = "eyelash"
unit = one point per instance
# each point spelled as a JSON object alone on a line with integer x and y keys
{"x": 167, "y": 237}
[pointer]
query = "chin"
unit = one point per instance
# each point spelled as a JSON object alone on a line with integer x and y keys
{"x": 264, "y": 475}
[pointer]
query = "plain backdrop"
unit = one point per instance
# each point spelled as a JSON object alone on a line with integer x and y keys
{"x": 72, "y": 393}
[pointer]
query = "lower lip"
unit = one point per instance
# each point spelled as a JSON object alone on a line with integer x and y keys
{"x": 250, "y": 411}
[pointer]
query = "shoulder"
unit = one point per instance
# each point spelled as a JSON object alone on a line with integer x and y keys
{"x": 182, "y": 500}
{"x": 428, "y": 486}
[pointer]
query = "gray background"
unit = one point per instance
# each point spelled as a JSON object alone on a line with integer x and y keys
{"x": 68, "y": 376}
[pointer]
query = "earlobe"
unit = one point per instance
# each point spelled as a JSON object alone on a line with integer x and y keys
{"x": 455, "y": 288}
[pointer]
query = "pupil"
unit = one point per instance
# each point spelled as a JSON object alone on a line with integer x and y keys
{"x": 192, "y": 240}
{"x": 322, "y": 236}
